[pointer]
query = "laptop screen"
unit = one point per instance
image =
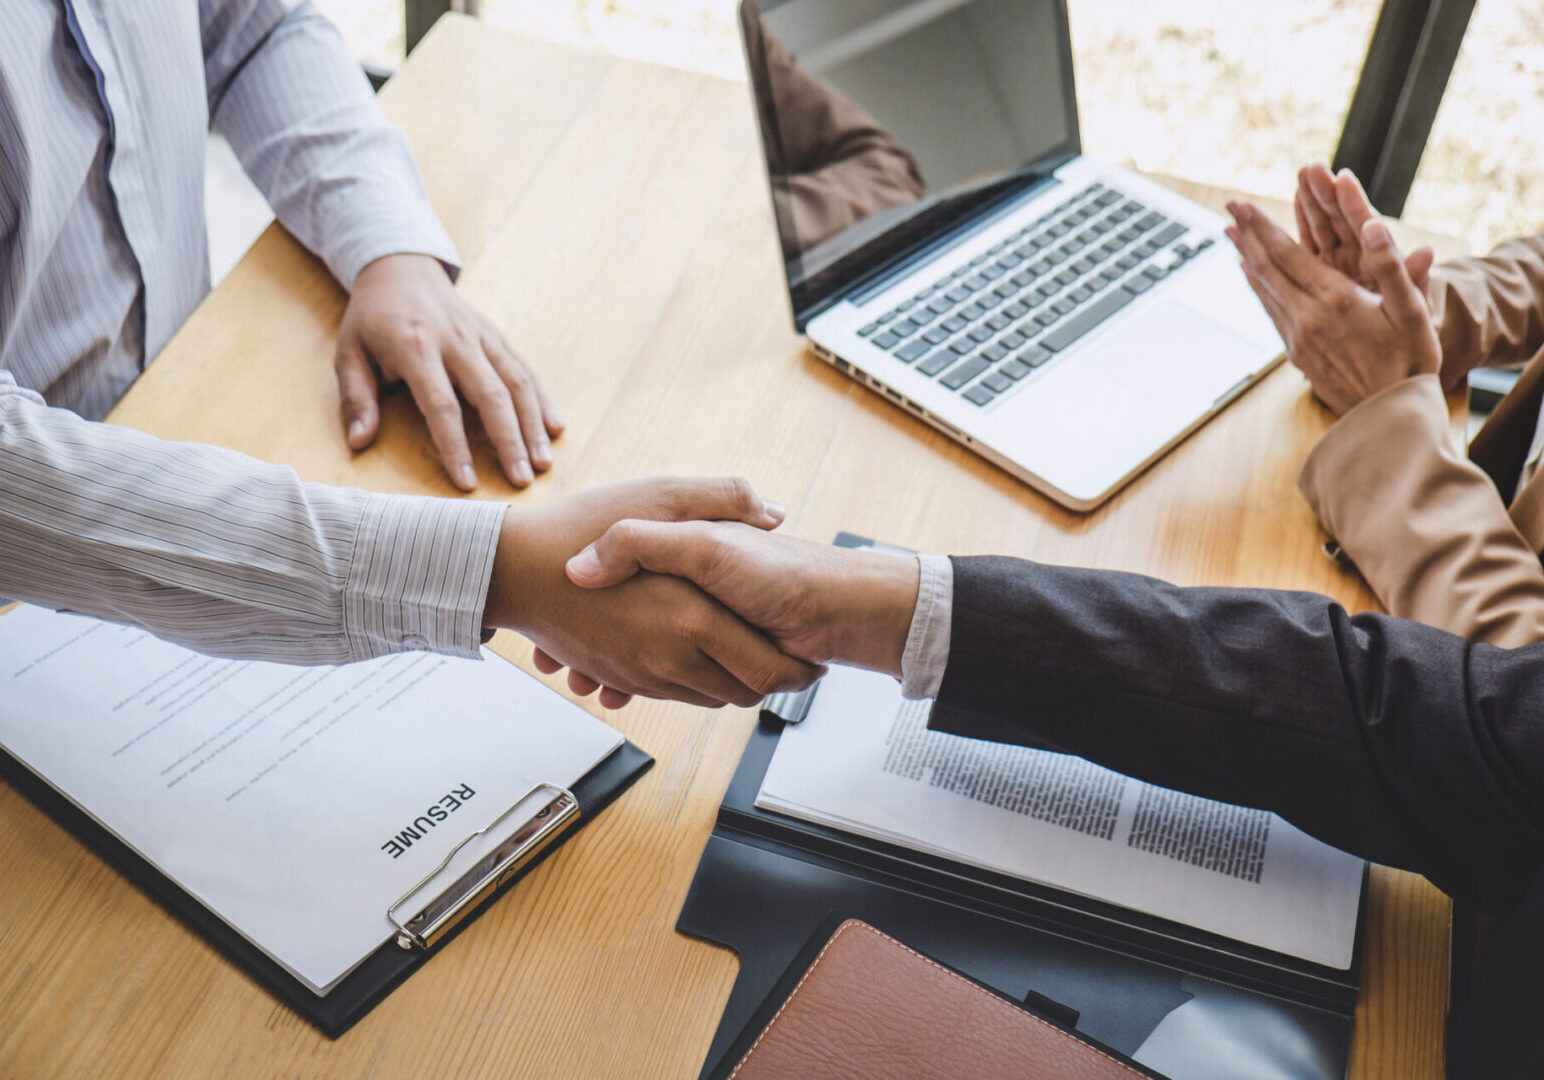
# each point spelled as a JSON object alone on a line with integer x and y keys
{"x": 888, "y": 122}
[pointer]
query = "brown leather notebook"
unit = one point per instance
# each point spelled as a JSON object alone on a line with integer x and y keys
{"x": 870, "y": 1008}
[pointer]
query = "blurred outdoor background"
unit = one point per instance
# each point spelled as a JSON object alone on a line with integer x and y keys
{"x": 1237, "y": 94}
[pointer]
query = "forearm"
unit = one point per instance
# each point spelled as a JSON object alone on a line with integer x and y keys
{"x": 227, "y": 555}
{"x": 1389, "y": 739}
{"x": 301, "y": 117}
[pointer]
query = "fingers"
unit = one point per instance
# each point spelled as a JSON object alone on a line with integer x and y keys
{"x": 613, "y": 699}
{"x": 1419, "y": 263}
{"x": 555, "y": 424}
{"x": 480, "y": 383}
{"x": 1313, "y": 223}
{"x": 1402, "y": 301}
{"x": 1278, "y": 261}
{"x": 1354, "y": 207}
{"x": 714, "y": 681}
{"x": 509, "y": 362}
{"x": 695, "y": 651}
{"x": 697, "y": 680}
{"x": 680, "y": 549}
{"x": 530, "y": 403}
{"x": 436, "y": 398}
{"x": 1279, "y": 314}
{"x": 582, "y": 684}
{"x": 1321, "y": 185}
{"x": 1261, "y": 269}
{"x": 755, "y": 662}
{"x": 359, "y": 392}
{"x": 1300, "y": 210}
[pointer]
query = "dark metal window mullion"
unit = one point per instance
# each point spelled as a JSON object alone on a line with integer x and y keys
{"x": 1409, "y": 60}
{"x": 418, "y": 16}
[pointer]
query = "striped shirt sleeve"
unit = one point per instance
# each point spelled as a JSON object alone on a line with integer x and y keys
{"x": 307, "y": 129}
{"x": 227, "y": 555}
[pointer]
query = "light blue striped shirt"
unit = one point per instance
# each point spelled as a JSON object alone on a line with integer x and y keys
{"x": 104, "y": 112}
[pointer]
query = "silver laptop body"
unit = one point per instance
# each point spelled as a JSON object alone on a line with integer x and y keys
{"x": 1066, "y": 319}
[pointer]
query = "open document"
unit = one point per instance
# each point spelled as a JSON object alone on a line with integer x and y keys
{"x": 297, "y": 804}
{"x": 864, "y": 761}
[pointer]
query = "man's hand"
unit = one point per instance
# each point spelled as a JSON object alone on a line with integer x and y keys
{"x": 819, "y": 603}
{"x": 1350, "y": 341}
{"x": 1332, "y": 210}
{"x": 406, "y": 323}
{"x": 654, "y": 635}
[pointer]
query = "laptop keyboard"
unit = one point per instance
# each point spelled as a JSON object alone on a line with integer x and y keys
{"x": 1011, "y": 310}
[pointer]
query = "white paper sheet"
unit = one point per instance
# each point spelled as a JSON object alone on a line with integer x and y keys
{"x": 864, "y": 761}
{"x": 296, "y": 803}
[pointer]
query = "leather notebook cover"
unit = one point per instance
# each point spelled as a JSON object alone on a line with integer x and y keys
{"x": 869, "y": 1008}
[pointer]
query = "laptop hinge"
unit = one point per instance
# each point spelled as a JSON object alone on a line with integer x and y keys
{"x": 884, "y": 274}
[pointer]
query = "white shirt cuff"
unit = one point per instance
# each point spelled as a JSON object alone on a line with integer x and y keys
{"x": 420, "y": 573}
{"x": 927, "y": 642}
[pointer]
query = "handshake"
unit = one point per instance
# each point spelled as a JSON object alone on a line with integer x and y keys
{"x": 678, "y": 589}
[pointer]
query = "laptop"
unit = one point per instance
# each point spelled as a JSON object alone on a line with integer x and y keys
{"x": 948, "y": 246}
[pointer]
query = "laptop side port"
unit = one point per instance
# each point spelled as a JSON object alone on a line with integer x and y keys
{"x": 942, "y": 426}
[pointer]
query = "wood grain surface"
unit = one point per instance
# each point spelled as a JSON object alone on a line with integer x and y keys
{"x": 613, "y": 220}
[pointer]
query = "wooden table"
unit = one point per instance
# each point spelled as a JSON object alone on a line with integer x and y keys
{"x": 613, "y": 219}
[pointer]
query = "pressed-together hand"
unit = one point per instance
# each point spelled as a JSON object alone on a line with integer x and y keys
{"x": 1332, "y": 210}
{"x": 819, "y": 603}
{"x": 653, "y": 635}
{"x": 406, "y": 322}
{"x": 1349, "y": 340}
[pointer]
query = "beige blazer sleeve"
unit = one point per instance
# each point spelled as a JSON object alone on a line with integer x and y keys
{"x": 1489, "y": 309}
{"x": 1426, "y": 526}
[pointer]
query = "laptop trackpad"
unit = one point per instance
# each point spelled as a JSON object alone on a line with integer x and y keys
{"x": 1103, "y": 410}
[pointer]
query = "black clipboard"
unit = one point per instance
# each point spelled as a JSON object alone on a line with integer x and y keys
{"x": 766, "y": 882}
{"x": 386, "y": 968}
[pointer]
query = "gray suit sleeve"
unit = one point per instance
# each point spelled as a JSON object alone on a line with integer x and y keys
{"x": 1386, "y": 738}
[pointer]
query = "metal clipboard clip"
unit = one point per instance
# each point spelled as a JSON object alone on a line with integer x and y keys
{"x": 529, "y": 838}
{"x": 790, "y": 706}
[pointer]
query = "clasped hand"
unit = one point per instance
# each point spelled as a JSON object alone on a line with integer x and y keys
{"x": 817, "y": 604}
{"x": 1348, "y": 305}
{"x": 652, "y": 634}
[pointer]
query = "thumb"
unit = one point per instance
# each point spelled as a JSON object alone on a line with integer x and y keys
{"x": 628, "y": 547}
{"x": 1401, "y": 299}
{"x": 358, "y": 389}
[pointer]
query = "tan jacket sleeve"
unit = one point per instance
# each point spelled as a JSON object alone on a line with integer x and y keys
{"x": 1489, "y": 309}
{"x": 1426, "y": 527}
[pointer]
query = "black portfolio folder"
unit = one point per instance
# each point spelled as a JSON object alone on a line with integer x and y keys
{"x": 767, "y": 881}
{"x": 385, "y": 969}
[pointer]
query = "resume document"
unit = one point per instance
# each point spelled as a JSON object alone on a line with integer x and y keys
{"x": 296, "y": 803}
